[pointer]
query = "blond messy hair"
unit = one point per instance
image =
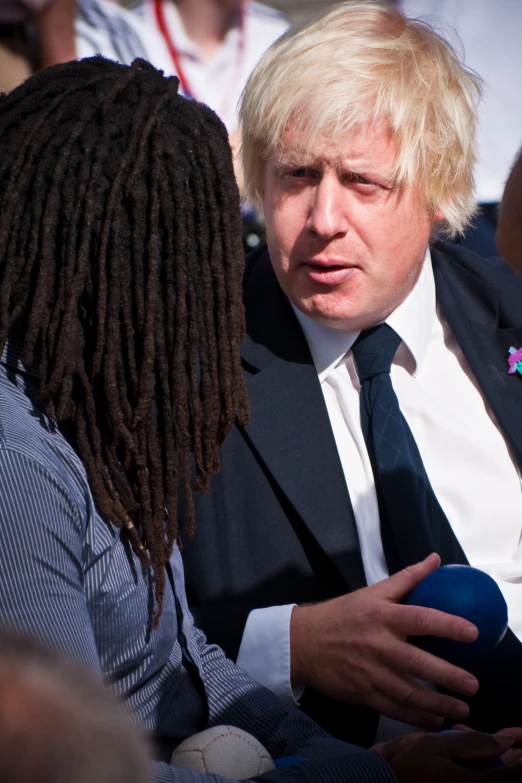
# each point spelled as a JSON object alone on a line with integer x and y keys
{"x": 360, "y": 63}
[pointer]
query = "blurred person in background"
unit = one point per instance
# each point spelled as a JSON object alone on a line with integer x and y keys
{"x": 34, "y": 34}
{"x": 59, "y": 724}
{"x": 489, "y": 33}
{"x": 211, "y": 45}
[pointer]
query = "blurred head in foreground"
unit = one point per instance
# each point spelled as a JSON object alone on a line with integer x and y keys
{"x": 59, "y": 724}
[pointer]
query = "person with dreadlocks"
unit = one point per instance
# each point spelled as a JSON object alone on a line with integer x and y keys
{"x": 120, "y": 377}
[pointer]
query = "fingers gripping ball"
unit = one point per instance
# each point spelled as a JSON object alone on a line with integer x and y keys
{"x": 224, "y": 750}
{"x": 467, "y": 592}
{"x": 492, "y": 763}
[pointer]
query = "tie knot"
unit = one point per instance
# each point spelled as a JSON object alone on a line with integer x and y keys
{"x": 373, "y": 351}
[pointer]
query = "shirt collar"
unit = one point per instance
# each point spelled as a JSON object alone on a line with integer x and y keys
{"x": 412, "y": 320}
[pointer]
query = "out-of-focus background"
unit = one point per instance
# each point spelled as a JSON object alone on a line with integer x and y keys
{"x": 301, "y": 10}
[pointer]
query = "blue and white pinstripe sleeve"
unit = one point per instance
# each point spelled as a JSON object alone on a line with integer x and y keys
{"x": 234, "y": 698}
{"x": 40, "y": 527}
{"x": 284, "y": 730}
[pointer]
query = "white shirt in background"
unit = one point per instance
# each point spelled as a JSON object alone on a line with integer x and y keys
{"x": 465, "y": 455}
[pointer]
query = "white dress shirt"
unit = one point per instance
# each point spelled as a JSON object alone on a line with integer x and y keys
{"x": 465, "y": 455}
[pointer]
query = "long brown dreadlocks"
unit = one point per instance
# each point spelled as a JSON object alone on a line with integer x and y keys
{"x": 121, "y": 261}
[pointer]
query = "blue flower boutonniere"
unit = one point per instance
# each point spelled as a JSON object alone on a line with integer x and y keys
{"x": 515, "y": 360}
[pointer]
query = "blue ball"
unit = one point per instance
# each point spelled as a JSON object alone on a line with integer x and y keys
{"x": 467, "y": 592}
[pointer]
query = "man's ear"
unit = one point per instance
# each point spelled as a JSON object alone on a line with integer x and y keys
{"x": 439, "y": 215}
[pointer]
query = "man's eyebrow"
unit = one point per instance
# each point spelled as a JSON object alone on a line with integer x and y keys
{"x": 296, "y": 158}
{"x": 307, "y": 160}
{"x": 361, "y": 166}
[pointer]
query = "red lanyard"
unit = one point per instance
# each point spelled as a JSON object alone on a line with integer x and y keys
{"x": 175, "y": 54}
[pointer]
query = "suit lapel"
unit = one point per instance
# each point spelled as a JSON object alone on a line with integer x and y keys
{"x": 471, "y": 308}
{"x": 290, "y": 428}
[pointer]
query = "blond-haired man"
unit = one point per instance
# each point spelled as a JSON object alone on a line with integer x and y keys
{"x": 358, "y": 144}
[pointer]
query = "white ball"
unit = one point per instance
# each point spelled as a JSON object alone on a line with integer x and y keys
{"x": 223, "y": 750}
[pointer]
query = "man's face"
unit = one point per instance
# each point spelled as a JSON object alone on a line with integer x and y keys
{"x": 346, "y": 243}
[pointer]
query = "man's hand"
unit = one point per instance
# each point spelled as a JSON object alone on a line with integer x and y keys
{"x": 511, "y": 757}
{"x": 432, "y": 758}
{"x": 354, "y": 648}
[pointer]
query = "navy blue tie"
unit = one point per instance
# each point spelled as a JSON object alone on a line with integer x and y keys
{"x": 413, "y": 523}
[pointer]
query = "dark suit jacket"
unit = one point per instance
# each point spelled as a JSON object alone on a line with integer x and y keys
{"x": 277, "y": 525}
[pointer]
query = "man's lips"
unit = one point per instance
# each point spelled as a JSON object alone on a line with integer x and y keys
{"x": 328, "y": 271}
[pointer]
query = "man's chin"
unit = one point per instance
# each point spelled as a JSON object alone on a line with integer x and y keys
{"x": 348, "y": 319}
{"x": 336, "y": 322}
{"x": 330, "y": 309}
{"x": 333, "y": 318}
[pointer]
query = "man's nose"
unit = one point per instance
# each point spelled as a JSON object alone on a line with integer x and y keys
{"x": 328, "y": 210}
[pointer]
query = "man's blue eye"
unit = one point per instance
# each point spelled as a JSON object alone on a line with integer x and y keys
{"x": 301, "y": 172}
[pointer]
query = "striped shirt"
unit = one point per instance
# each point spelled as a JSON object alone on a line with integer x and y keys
{"x": 70, "y": 579}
